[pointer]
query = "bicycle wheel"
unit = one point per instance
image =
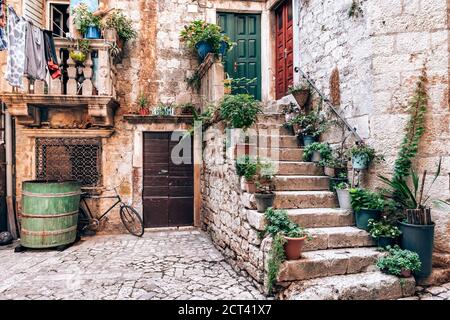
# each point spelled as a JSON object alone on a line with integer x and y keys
{"x": 132, "y": 220}
{"x": 83, "y": 220}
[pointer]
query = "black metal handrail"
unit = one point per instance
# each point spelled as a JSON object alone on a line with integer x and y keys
{"x": 328, "y": 103}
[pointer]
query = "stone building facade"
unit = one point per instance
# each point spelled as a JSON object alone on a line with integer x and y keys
{"x": 379, "y": 54}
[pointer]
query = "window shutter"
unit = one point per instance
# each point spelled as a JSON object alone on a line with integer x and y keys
{"x": 34, "y": 11}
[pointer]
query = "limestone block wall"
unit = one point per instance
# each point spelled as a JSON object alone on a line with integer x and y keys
{"x": 380, "y": 56}
{"x": 224, "y": 214}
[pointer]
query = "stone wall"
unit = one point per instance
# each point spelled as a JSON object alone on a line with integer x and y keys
{"x": 224, "y": 210}
{"x": 380, "y": 57}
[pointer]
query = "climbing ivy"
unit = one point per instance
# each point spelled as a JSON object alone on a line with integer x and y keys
{"x": 276, "y": 258}
{"x": 413, "y": 132}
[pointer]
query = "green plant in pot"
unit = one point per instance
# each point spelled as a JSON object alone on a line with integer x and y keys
{"x": 363, "y": 155}
{"x": 367, "y": 205}
{"x": 142, "y": 103}
{"x": 317, "y": 152}
{"x": 81, "y": 52}
{"x": 86, "y": 22}
{"x": 384, "y": 232}
{"x": 264, "y": 195}
{"x": 239, "y": 111}
{"x": 247, "y": 167}
{"x": 311, "y": 126}
{"x": 414, "y": 215}
{"x": 288, "y": 239}
{"x": 398, "y": 262}
{"x": 123, "y": 25}
{"x": 301, "y": 93}
{"x": 202, "y": 36}
{"x": 343, "y": 193}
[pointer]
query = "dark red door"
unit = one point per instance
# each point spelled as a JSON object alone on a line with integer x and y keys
{"x": 284, "y": 48}
{"x": 168, "y": 192}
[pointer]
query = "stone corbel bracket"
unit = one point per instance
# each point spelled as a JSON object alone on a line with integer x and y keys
{"x": 25, "y": 107}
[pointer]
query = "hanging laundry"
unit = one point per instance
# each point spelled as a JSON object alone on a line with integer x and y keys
{"x": 3, "y": 41}
{"x": 16, "y": 49}
{"x": 50, "y": 55}
{"x": 35, "y": 61}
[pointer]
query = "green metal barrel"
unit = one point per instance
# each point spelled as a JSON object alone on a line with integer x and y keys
{"x": 49, "y": 213}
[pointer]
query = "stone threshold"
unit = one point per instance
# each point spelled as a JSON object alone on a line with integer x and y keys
{"x": 135, "y": 118}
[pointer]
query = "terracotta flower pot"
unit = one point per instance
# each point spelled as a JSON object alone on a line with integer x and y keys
{"x": 144, "y": 112}
{"x": 301, "y": 97}
{"x": 293, "y": 247}
{"x": 249, "y": 186}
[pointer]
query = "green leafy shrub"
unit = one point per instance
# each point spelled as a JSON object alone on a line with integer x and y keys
{"x": 239, "y": 111}
{"x": 366, "y": 199}
{"x": 276, "y": 258}
{"x": 323, "y": 148}
{"x": 122, "y": 24}
{"x": 399, "y": 260}
{"x": 278, "y": 222}
{"x": 342, "y": 186}
{"x": 311, "y": 124}
{"x": 383, "y": 228}
{"x": 247, "y": 167}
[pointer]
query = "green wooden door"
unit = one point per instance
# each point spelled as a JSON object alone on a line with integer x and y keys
{"x": 244, "y": 61}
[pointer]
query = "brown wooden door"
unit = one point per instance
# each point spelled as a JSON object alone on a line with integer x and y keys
{"x": 168, "y": 192}
{"x": 284, "y": 48}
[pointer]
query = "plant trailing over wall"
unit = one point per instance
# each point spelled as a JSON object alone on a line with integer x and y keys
{"x": 279, "y": 225}
{"x": 413, "y": 132}
{"x": 398, "y": 261}
{"x": 122, "y": 24}
{"x": 194, "y": 82}
{"x": 239, "y": 111}
{"x": 356, "y": 10}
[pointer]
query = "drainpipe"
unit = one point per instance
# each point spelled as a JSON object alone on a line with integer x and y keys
{"x": 9, "y": 174}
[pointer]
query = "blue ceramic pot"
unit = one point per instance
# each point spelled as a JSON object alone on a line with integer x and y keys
{"x": 203, "y": 48}
{"x": 307, "y": 140}
{"x": 223, "y": 48}
{"x": 360, "y": 162}
{"x": 92, "y": 32}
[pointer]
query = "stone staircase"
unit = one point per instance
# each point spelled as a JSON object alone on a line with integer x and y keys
{"x": 339, "y": 261}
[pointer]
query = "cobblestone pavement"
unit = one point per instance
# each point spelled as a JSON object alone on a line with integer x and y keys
{"x": 160, "y": 265}
{"x": 441, "y": 292}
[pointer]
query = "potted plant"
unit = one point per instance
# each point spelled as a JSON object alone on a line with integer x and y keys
{"x": 341, "y": 178}
{"x": 343, "y": 194}
{"x": 264, "y": 195}
{"x": 384, "y": 232}
{"x": 117, "y": 23}
{"x": 311, "y": 126}
{"x": 202, "y": 36}
{"x": 246, "y": 167}
{"x": 336, "y": 165}
{"x": 367, "y": 205}
{"x": 398, "y": 262}
{"x": 225, "y": 45}
{"x": 301, "y": 93}
{"x": 294, "y": 236}
{"x": 86, "y": 22}
{"x": 362, "y": 156}
{"x": 415, "y": 221}
{"x": 80, "y": 54}
{"x": 142, "y": 103}
{"x": 239, "y": 111}
{"x": 317, "y": 152}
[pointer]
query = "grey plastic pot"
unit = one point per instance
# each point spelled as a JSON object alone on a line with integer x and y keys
{"x": 420, "y": 239}
{"x": 344, "y": 199}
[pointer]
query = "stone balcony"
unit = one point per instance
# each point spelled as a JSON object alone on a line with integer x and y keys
{"x": 87, "y": 89}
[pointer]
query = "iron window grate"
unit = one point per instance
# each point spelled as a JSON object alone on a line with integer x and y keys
{"x": 69, "y": 159}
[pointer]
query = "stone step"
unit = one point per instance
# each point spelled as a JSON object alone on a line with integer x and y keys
{"x": 301, "y": 183}
{"x": 361, "y": 286}
{"x": 272, "y": 118}
{"x": 272, "y": 129}
{"x": 338, "y": 237}
{"x": 324, "y": 263}
{"x": 304, "y": 199}
{"x": 308, "y": 218}
{"x": 279, "y": 141}
{"x": 322, "y": 217}
{"x": 299, "y": 168}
